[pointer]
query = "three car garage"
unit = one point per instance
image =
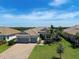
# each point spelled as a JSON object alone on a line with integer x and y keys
{"x": 26, "y": 40}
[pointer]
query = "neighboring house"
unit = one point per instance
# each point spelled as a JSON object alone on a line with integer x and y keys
{"x": 72, "y": 30}
{"x": 8, "y": 33}
{"x": 71, "y": 34}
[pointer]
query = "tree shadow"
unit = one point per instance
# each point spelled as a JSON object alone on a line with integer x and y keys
{"x": 54, "y": 57}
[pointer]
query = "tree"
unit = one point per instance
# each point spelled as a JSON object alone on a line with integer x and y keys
{"x": 77, "y": 35}
{"x": 60, "y": 50}
{"x": 52, "y": 33}
{"x": 51, "y": 29}
{"x": 60, "y": 30}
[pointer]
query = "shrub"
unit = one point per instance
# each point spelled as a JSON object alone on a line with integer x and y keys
{"x": 11, "y": 42}
{"x": 60, "y": 50}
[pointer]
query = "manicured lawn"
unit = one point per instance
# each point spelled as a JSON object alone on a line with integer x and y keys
{"x": 69, "y": 52}
{"x": 3, "y": 47}
{"x": 47, "y": 52}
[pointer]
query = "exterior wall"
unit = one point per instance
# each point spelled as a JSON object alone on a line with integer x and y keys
{"x": 38, "y": 39}
{"x": 1, "y": 37}
{"x": 8, "y": 38}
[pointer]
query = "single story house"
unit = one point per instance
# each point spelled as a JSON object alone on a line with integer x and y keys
{"x": 27, "y": 36}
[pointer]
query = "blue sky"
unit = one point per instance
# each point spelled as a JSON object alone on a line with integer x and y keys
{"x": 39, "y": 12}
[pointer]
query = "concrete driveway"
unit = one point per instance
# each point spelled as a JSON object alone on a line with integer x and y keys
{"x": 18, "y": 51}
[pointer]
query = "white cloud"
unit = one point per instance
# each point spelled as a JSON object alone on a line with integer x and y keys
{"x": 68, "y": 15}
{"x": 58, "y": 2}
{"x": 32, "y": 16}
{"x": 40, "y": 18}
{"x": 43, "y": 15}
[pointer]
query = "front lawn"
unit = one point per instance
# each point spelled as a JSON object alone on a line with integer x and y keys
{"x": 47, "y": 52}
{"x": 3, "y": 47}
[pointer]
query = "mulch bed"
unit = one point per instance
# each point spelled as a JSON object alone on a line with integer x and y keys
{"x": 2, "y": 42}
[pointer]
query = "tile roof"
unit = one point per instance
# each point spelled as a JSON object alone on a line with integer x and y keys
{"x": 72, "y": 30}
{"x": 8, "y": 31}
{"x": 33, "y": 31}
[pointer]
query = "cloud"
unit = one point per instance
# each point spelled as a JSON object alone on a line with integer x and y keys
{"x": 68, "y": 15}
{"x": 35, "y": 15}
{"x": 43, "y": 16}
{"x": 40, "y": 18}
{"x": 58, "y": 2}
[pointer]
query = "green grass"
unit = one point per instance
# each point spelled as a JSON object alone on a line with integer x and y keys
{"x": 43, "y": 52}
{"x": 47, "y": 52}
{"x": 3, "y": 47}
{"x": 69, "y": 52}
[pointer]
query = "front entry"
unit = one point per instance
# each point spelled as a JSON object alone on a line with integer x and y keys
{"x": 33, "y": 40}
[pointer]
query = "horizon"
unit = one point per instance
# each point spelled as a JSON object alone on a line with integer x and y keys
{"x": 39, "y": 26}
{"x": 39, "y": 13}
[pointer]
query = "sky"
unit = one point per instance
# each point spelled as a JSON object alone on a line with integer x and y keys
{"x": 39, "y": 13}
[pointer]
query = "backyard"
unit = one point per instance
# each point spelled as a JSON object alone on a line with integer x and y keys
{"x": 47, "y": 52}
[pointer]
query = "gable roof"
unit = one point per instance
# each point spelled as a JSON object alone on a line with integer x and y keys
{"x": 8, "y": 31}
{"x": 33, "y": 31}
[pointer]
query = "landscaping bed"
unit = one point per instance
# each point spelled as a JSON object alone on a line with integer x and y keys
{"x": 2, "y": 42}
